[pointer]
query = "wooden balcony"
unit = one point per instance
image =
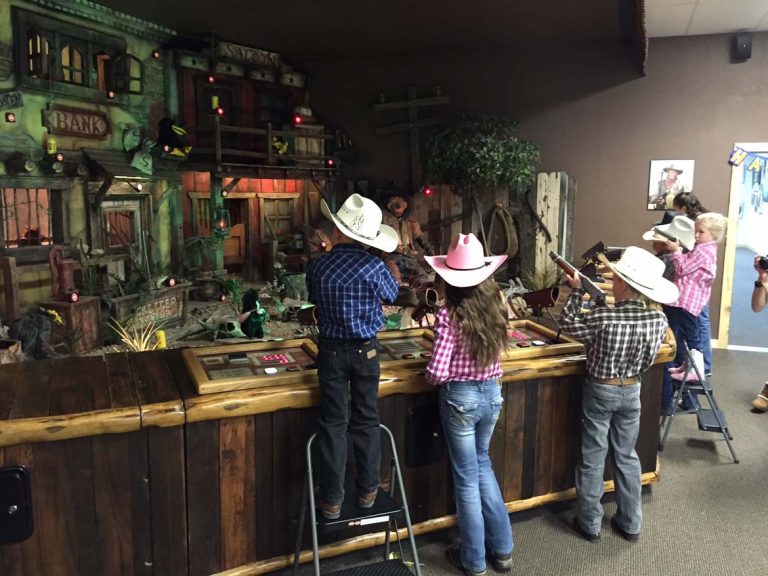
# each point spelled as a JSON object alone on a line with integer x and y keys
{"x": 235, "y": 151}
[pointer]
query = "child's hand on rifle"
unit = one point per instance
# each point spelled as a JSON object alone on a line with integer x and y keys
{"x": 575, "y": 280}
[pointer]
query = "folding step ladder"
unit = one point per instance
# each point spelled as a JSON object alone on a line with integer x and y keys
{"x": 711, "y": 419}
{"x": 386, "y": 510}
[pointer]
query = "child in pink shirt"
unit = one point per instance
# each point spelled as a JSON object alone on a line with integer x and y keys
{"x": 695, "y": 273}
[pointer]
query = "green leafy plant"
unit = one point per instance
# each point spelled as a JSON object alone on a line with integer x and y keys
{"x": 481, "y": 151}
{"x": 233, "y": 287}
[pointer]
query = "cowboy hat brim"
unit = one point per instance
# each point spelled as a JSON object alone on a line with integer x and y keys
{"x": 662, "y": 290}
{"x": 465, "y": 278}
{"x": 385, "y": 240}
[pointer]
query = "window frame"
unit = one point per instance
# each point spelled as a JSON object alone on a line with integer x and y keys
{"x": 89, "y": 42}
{"x": 58, "y": 202}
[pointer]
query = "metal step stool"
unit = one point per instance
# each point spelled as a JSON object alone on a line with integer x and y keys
{"x": 710, "y": 419}
{"x": 385, "y": 510}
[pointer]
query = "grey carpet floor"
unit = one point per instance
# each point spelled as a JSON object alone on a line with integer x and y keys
{"x": 706, "y": 517}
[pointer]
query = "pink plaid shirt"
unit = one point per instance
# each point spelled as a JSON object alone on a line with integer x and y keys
{"x": 450, "y": 360}
{"x": 694, "y": 275}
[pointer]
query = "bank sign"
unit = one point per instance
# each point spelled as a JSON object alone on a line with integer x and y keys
{"x": 79, "y": 122}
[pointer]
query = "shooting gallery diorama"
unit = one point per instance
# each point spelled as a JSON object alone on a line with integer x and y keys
{"x": 161, "y": 197}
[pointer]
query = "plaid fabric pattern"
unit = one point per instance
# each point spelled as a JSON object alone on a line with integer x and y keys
{"x": 620, "y": 341}
{"x": 694, "y": 274}
{"x": 450, "y": 360}
{"x": 348, "y": 286}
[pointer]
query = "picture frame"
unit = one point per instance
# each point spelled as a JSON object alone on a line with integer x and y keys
{"x": 667, "y": 179}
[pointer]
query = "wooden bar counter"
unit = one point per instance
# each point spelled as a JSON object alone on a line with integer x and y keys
{"x": 134, "y": 471}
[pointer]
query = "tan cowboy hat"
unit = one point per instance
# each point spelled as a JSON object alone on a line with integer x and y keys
{"x": 673, "y": 167}
{"x": 360, "y": 218}
{"x": 643, "y": 271}
{"x": 682, "y": 228}
{"x": 465, "y": 264}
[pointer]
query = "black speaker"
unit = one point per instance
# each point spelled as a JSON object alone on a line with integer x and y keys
{"x": 742, "y": 49}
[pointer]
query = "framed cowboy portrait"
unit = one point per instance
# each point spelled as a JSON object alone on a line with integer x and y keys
{"x": 667, "y": 179}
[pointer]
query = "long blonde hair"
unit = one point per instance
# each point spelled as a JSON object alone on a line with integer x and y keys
{"x": 480, "y": 312}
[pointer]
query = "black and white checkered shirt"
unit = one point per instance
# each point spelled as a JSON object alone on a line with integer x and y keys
{"x": 620, "y": 341}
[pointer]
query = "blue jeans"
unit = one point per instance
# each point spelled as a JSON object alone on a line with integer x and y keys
{"x": 469, "y": 411}
{"x": 609, "y": 415}
{"x": 342, "y": 366}
{"x": 705, "y": 338}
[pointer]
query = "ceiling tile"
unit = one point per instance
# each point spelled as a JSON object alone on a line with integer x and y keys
{"x": 727, "y": 16}
{"x": 661, "y": 21}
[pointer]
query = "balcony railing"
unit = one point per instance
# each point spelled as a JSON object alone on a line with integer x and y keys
{"x": 231, "y": 148}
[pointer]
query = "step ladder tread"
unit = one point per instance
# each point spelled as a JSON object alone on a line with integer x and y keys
{"x": 383, "y": 568}
{"x": 708, "y": 421}
{"x": 353, "y": 516}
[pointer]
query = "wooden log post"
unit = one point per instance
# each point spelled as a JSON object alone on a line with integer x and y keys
{"x": 555, "y": 194}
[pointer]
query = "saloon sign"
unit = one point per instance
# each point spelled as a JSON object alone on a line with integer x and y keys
{"x": 249, "y": 55}
{"x": 80, "y": 122}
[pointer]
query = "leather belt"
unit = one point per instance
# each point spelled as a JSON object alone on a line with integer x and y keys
{"x": 628, "y": 381}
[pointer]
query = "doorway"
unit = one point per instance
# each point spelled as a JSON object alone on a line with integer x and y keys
{"x": 740, "y": 328}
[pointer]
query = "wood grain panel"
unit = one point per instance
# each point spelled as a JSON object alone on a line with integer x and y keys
{"x": 203, "y": 508}
{"x": 116, "y": 474}
{"x": 53, "y": 509}
{"x": 266, "y": 506}
{"x": 291, "y": 430}
{"x": 542, "y": 481}
{"x": 530, "y": 437}
{"x": 236, "y": 446}
{"x": 565, "y": 432}
{"x": 168, "y": 497}
{"x": 511, "y": 479}
{"x": 159, "y": 399}
{"x": 83, "y": 510}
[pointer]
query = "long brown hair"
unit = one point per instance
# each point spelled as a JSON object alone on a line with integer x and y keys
{"x": 480, "y": 312}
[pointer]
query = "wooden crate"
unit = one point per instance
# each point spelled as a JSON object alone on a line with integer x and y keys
{"x": 82, "y": 323}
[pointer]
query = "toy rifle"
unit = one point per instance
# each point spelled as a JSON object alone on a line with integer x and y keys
{"x": 595, "y": 293}
{"x": 666, "y": 235}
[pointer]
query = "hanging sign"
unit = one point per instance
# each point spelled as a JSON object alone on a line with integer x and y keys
{"x": 753, "y": 160}
{"x": 81, "y": 122}
{"x": 249, "y": 55}
{"x": 10, "y": 100}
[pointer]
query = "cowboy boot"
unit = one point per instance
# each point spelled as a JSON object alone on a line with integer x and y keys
{"x": 678, "y": 369}
{"x": 693, "y": 375}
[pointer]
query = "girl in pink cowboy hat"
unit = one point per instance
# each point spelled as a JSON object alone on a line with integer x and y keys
{"x": 470, "y": 332}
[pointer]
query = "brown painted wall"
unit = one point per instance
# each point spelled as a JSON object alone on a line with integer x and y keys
{"x": 587, "y": 107}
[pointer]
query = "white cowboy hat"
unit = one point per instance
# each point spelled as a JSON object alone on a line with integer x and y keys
{"x": 673, "y": 167}
{"x": 682, "y": 228}
{"x": 360, "y": 218}
{"x": 465, "y": 264}
{"x": 643, "y": 271}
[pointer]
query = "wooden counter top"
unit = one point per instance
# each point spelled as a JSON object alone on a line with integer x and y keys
{"x": 49, "y": 400}
{"x": 394, "y": 380}
{"x": 57, "y": 399}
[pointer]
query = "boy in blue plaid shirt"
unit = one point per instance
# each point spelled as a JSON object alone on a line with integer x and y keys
{"x": 347, "y": 287}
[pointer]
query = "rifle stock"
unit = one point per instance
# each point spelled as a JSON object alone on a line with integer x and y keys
{"x": 595, "y": 293}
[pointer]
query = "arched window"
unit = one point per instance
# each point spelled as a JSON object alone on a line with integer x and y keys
{"x": 38, "y": 54}
{"x": 72, "y": 70}
{"x": 126, "y": 74}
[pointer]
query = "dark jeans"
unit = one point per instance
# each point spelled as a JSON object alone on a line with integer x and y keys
{"x": 342, "y": 366}
{"x": 685, "y": 327}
